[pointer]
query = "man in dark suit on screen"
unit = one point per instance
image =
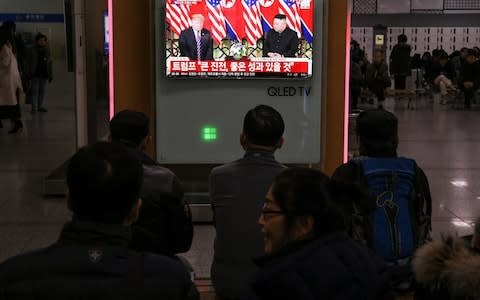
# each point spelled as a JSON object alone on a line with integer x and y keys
{"x": 280, "y": 41}
{"x": 196, "y": 42}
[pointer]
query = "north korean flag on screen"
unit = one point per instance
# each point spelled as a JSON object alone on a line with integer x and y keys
{"x": 232, "y": 11}
{"x": 306, "y": 14}
{"x": 269, "y": 9}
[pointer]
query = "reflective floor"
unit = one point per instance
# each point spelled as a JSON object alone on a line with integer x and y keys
{"x": 445, "y": 142}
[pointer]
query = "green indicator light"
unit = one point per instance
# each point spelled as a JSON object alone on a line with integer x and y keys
{"x": 209, "y": 134}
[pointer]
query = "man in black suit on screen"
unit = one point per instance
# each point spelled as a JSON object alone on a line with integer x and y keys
{"x": 196, "y": 42}
{"x": 280, "y": 40}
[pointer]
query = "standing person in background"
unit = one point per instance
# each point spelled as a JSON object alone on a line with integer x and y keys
{"x": 377, "y": 77}
{"x": 18, "y": 49}
{"x": 10, "y": 81}
{"x": 400, "y": 62}
{"x": 38, "y": 69}
{"x": 18, "y": 46}
{"x": 356, "y": 81}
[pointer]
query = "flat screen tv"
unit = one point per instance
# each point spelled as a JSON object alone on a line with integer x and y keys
{"x": 239, "y": 38}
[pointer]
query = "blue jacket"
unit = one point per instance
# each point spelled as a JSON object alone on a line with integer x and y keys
{"x": 333, "y": 267}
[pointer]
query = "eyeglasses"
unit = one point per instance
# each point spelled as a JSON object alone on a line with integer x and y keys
{"x": 270, "y": 213}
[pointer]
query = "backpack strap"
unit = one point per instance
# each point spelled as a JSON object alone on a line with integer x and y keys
{"x": 423, "y": 194}
{"x": 361, "y": 222}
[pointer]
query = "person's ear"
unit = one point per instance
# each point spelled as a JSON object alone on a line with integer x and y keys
{"x": 134, "y": 212}
{"x": 146, "y": 141}
{"x": 244, "y": 140}
{"x": 280, "y": 143}
{"x": 304, "y": 227}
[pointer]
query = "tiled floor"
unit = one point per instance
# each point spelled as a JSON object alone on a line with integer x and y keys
{"x": 444, "y": 141}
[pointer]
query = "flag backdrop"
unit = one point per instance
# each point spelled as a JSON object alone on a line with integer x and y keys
{"x": 234, "y": 20}
{"x": 241, "y": 19}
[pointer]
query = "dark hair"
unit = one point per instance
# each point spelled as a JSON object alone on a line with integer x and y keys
{"x": 280, "y": 17}
{"x": 402, "y": 38}
{"x": 11, "y": 25}
{"x": 455, "y": 54}
{"x": 308, "y": 192}
{"x": 104, "y": 181}
{"x": 40, "y": 36}
{"x": 471, "y": 52}
{"x": 436, "y": 52}
{"x": 443, "y": 55}
{"x": 263, "y": 126}
{"x": 378, "y": 132}
{"x": 129, "y": 127}
{"x": 6, "y": 35}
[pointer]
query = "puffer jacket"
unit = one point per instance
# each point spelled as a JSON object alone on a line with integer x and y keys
{"x": 333, "y": 267}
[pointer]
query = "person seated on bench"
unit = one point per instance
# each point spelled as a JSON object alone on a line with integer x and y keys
{"x": 470, "y": 77}
{"x": 377, "y": 76}
{"x": 442, "y": 75}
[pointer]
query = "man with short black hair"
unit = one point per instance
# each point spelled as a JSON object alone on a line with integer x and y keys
{"x": 165, "y": 223}
{"x": 91, "y": 259}
{"x": 280, "y": 40}
{"x": 237, "y": 192}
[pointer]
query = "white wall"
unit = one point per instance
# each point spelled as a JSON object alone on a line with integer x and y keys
{"x": 54, "y": 31}
{"x": 421, "y": 39}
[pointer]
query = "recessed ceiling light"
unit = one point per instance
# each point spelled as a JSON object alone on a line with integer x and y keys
{"x": 460, "y": 223}
{"x": 459, "y": 183}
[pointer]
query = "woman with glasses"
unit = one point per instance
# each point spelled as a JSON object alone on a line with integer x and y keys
{"x": 308, "y": 254}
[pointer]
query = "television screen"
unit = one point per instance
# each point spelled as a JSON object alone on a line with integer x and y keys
{"x": 239, "y": 38}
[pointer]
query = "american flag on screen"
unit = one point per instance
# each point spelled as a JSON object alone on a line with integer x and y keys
{"x": 217, "y": 20}
{"x": 178, "y": 16}
{"x": 290, "y": 9}
{"x": 253, "y": 21}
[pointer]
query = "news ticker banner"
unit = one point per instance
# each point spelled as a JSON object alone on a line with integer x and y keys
{"x": 260, "y": 67}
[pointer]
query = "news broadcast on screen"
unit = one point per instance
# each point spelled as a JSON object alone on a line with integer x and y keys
{"x": 239, "y": 38}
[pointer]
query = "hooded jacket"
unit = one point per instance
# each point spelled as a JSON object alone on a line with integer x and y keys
{"x": 447, "y": 270}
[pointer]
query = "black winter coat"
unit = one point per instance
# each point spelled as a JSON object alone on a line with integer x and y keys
{"x": 165, "y": 224}
{"x": 333, "y": 267}
{"x": 400, "y": 60}
{"x": 471, "y": 73}
{"x": 92, "y": 261}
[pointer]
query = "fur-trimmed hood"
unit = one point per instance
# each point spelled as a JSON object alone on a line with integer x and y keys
{"x": 449, "y": 265}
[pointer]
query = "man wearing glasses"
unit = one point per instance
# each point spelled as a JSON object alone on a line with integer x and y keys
{"x": 237, "y": 190}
